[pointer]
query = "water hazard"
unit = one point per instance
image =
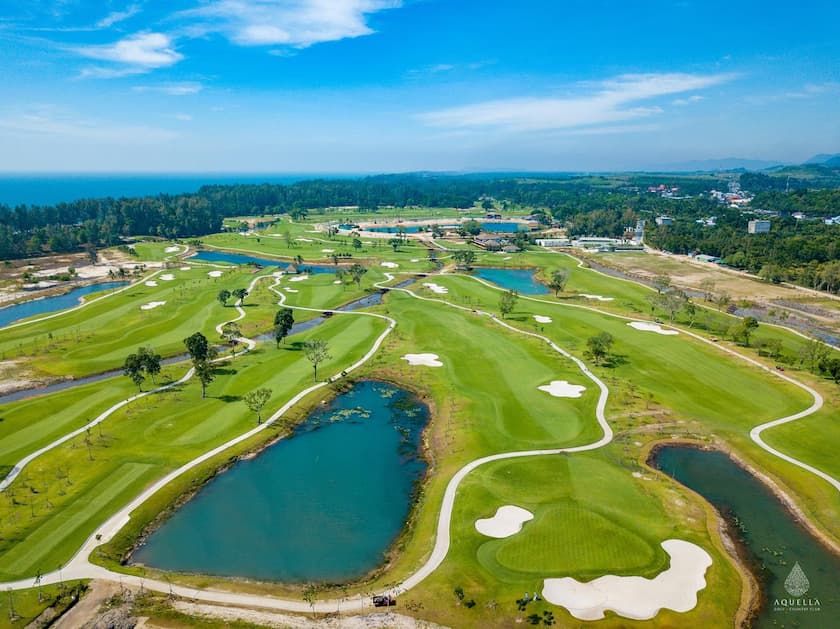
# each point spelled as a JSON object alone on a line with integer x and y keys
{"x": 10, "y": 314}
{"x": 323, "y": 505}
{"x": 238, "y": 258}
{"x": 520, "y": 280}
{"x": 775, "y": 542}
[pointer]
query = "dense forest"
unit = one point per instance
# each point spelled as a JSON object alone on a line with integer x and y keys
{"x": 805, "y": 251}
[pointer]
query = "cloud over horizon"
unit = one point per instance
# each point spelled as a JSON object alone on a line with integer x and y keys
{"x": 614, "y": 100}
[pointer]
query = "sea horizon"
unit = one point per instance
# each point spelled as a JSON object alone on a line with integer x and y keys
{"x": 45, "y": 188}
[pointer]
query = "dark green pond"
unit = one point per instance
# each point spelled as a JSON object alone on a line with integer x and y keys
{"x": 323, "y": 505}
{"x": 772, "y": 538}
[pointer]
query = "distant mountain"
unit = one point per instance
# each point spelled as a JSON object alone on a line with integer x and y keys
{"x": 727, "y": 163}
{"x": 826, "y": 159}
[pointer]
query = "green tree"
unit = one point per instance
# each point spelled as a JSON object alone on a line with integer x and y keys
{"x": 599, "y": 347}
{"x": 240, "y": 294}
{"x": 395, "y": 243}
{"x": 831, "y": 367}
{"x": 722, "y": 301}
{"x": 356, "y": 272}
{"x": 150, "y": 360}
{"x": 223, "y": 296}
{"x": 470, "y": 228}
{"x": 741, "y": 331}
{"x": 133, "y": 368}
{"x": 357, "y": 244}
{"x": 256, "y": 401}
{"x": 708, "y": 288}
{"x": 559, "y": 278}
{"x": 661, "y": 282}
{"x": 231, "y": 333}
{"x": 464, "y": 258}
{"x": 316, "y": 352}
{"x": 284, "y": 319}
{"x": 205, "y": 371}
{"x": 198, "y": 347}
{"x": 507, "y": 302}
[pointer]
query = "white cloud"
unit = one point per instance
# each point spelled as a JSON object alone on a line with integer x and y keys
{"x": 811, "y": 90}
{"x": 682, "y": 102}
{"x": 183, "y": 117}
{"x": 118, "y": 16}
{"x": 295, "y": 23}
{"x": 172, "y": 89}
{"x": 613, "y": 101}
{"x": 135, "y": 54}
{"x": 56, "y": 125}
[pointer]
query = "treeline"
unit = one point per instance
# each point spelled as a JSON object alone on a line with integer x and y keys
{"x": 804, "y": 252}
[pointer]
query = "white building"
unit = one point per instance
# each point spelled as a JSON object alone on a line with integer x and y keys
{"x": 758, "y": 227}
{"x": 664, "y": 220}
{"x": 554, "y": 242}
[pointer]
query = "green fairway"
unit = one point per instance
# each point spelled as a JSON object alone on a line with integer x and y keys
{"x": 595, "y": 513}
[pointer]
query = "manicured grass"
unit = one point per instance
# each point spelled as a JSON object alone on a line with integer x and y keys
{"x": 65, "y": 494}
{"x": 97, "y": 337}
{"x": 27, "y": 606}
{"x": 592, "y": 515}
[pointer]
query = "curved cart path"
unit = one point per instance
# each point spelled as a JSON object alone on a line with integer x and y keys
{"x": 80, "y": 567}
{"x": 88, "y": 302}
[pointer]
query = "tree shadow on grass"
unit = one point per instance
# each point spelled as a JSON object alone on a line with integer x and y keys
{"x": 227, "y": 399}
{"x": 226, "y": 371}
{"x": 615, "y": 360}
{"x": 295, "y": 346}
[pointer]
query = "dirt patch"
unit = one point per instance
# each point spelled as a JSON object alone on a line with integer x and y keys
{"x": 384, "y": 620}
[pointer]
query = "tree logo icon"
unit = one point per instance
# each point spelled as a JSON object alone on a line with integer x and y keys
{"x": 797, "y": 583}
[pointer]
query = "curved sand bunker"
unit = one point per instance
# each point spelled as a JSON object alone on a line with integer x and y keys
{"x": 299, "y": 278}
{"x": 644, "y": 326}
{"x": 291, "y": 290}
{"x": 327, "y": 250}
{"x": 542, "y": 319}
{"x": 426, "y": 360}
{"x": 507, "y": 521}
{"x": 172, "y": 249}
{"x": 598, "y": 297}
{"x": 167, "y": 277}
{"x": 561, "y": 388}
{"x": 152, "y": 304}
{"x": 151, "y": 283}
{"x": 390, "y": 265}
{"x": 214, "y": 273}
{"x": 636, "y": 597}
{"x": 436, "y": 288}
{"x": 185, "y": 268}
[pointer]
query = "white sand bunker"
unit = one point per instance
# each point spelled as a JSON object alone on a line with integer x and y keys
{"x": 542, "y": 319}
{"x": 304, "y": 239}
{"x": 427, "y": 360}
{"x": 598, "y": 297}
{"x": 152, "y": 304}
{"x": 167, "y": 277}
{"x": 415, "y": 259}
{"x": 390, "y": 265}
{"x": 299, "y": 278}
{"x": 644, "y": 326}
{"x": 291, "y": 290}
{"x": 151, "y": 283}
{"x": 436, "y": 288}
{"x": 561, "y": 388}
{"x": 327, "y": 250}
{"x": 507, "y": 521}
{"x": 172, "y": 249}
{"x": 185, "y": 268}
{"x": 636, "y": 597}
{"x": 337, "y": 282}
{"x": 214, "y": 273}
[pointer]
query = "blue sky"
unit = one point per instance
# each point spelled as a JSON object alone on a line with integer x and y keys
{"x": 389, "y": 85}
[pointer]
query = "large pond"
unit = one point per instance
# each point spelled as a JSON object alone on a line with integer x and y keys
{"x": 771, "y": 537}
{"x": 238, "y": 258}
{"x": 323, "y": 505}
{"x": 520, "y": 280}
{"x": 10, "y": 314}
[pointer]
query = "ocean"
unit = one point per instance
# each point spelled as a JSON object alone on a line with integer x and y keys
{"x": 49, "y": 189}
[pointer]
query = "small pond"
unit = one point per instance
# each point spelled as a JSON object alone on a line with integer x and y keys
{"x": 520, "y": 280}
{"x": 322, "y": 505}
{"x": 238, "y": 258}
{"x": 10, "y": 314}
{"x": 772, "y": 538}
